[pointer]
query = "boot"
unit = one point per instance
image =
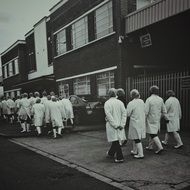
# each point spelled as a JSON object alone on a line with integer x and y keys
{"x": 28, "y": 127}
{"x": 23, "y": 125}
{"x": 134, "y": 151}
{"x": 158, "y": 144}
{"x": 150, "y": 145}
{"x": 59, "y": 131}
{"x": 140, "y": 154}
{"x": 178, "y": 139}
{"x": 54, "y": 133}
{"x": 165, "y": 142}
{"x": 39, "y": 130}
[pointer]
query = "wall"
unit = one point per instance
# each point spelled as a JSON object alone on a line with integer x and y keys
{"x": 40, "y": 37}
{"x": 169, "y": 50}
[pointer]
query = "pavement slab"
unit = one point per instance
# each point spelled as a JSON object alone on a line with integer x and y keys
{"x": 87, "y": 150}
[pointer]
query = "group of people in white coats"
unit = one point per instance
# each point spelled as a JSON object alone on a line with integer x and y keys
{"x": 144, "y": 119}
{"x": 48, "y": 111}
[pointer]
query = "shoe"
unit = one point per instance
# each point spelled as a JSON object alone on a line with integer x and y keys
{"x": 178, "y": 146}
{"x": 159, "y": 151}
{"x": 164, "y": 143}
{"x": 133, "y": 153}
{"x": 109, "y": 156}
{"x": 148, "y": 148}
{"x": 119, "y": 161}
{"x": 23, "y": 131}
{"x": 138, "y": 157}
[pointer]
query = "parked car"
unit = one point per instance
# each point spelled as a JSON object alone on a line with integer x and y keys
{"x": 87, "y": 112}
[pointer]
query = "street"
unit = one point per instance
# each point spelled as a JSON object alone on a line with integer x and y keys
{"x": 23, "y": 169}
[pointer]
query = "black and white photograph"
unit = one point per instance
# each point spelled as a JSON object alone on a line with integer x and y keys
{"x": 94, "y": 94}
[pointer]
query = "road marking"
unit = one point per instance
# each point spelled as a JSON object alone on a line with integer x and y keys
{"x": 73, "y": 165}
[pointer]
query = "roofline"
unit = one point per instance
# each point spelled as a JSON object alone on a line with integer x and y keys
{"x": 58, "y": 5}
{"x": 12, "y": 46}
{"x": 29, "y": 32}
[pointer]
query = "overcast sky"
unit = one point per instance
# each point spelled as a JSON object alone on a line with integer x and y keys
{"x": 17, "y": 17}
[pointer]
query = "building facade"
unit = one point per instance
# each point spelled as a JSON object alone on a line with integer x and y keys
{"x": 86, "y": 51}
{"x": 156, "y": 50}
{"x": 14, "y": 68}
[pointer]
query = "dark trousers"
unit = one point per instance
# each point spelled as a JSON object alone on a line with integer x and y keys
{"x": 116, "y": 149}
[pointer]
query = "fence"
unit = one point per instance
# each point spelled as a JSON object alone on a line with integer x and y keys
{"x": 179, "y": 82}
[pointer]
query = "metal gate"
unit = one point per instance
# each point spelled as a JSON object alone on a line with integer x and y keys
{"x": 179, "y": 82}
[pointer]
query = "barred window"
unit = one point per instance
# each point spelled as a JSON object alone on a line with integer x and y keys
{"x": 81, "y": 86}
{"x": 104, "y": 20}
{"x": 63, "y": 89}
{"x": 61, "y": 45}
{"x": 105, "y": 81}
{"x": 80, "y": 33}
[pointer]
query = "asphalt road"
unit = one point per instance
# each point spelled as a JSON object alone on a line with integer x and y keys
{"x": 22, "y": 169}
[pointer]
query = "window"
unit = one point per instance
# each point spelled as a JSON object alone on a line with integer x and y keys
{"x": 61, "y": 45}
{"x": 10, "y": 65}
{"x": 80, "y": 33}
{"x": 81, "y": 86}
{"x": 5, "y": 71}
{"x": 63, "y": 89}
{"x": 105, "y": 81}
{"x": 143, "y": 3}
{"x": 104, "y": 20}
{"x": 32, "y": 61}
{"x": 16, "y": 68}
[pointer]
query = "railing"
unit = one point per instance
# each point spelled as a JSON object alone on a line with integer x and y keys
{"x": 179, "y": 82}
{"x": 154, "y": 12}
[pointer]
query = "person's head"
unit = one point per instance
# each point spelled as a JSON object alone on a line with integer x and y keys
{"x": 170, "y": 93}
{"x": 54, "y": 99}
{"x": 112, "y": 92}
{"x": 38, "y": 100}
{"x": 25, "y": 95}
{"x": 154, "y": 90}
{"x": 44, "y": 93}
{"x": 48, "y": 97}
{"x": 36, "y": 94}
{"x": 52, "y": 93}
{"x": 134, "y": 94}
{"x": 31, "y": 94}
{"x": 120, "y": 92}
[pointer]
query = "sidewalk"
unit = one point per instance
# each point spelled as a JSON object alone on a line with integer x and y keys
{"x": 85, "y": 151}
{"x": 13, "y": 130}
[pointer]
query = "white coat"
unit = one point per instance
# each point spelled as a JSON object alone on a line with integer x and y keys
{"x": 43, "y": 99}
{"x": 136, "y": 112}
{"x": 38, "y": 110}
{"x": 154, "y": 109}
{"x": 115, "y": 116}
{"x": 173, "y": 113}
{"x": 25, "y": 109}
{"x": 55, "y": 114}
{"x": 47, "y": 111}
{"x": 4, "y": 107}
{"x": 67, "y": 105}
{"x": 10, "y": 106}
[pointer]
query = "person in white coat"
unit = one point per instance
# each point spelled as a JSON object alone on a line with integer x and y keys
{"x": 56, "y": 117}
{"x": 136, "y": 112}
{"x": 4, "y": 108}
{"x": 68, "y": 108}
{"x": 154, "y": 109}
{"x": 174, "y": 114}
{"x": 10, "y": 109}
{"x": 115, "y": 123}
{"x": 38, "y": 111}
{"x": 25, "y": 113}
